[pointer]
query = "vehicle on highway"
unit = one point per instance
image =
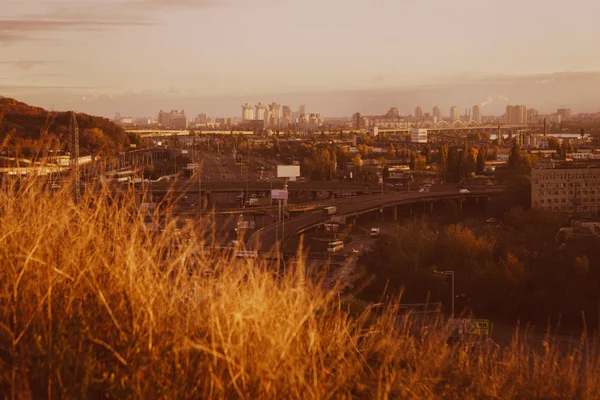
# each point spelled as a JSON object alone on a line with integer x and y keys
{"x": 55, "y": 186}
{"x": 355, "y": 251}
{"x": 334, "y": 246}
{"x": 374, "y": 232}
{"x": 464, "y": 191}
{"x": 330, "y": 210}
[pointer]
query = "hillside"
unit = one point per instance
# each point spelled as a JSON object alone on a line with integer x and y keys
{"x": 32, "y": 128}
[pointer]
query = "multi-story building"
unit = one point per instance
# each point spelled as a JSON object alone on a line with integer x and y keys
{"x": 247, "y": 112}
{"x": 476, "y": 114}
{"x": 260, "y": 111}
{"x": 393, "y": 112}
{"x": 356, "y": 120}
{"x": 565, "y": 113}
{"x": 418, "y": 135}
{"x": 516, "y": 115}
{"x": 419, "y": 113}
{"x": 274, "y": 115}
{"x": 437, "y": 114}
{"x": 454, "y": 113}
{"x": 173, "y": 120}
{"x": 568, "y": 187}
{"x": 302, "y": 109}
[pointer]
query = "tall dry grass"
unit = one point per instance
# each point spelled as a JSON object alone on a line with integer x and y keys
{"x": 93, "y": 305}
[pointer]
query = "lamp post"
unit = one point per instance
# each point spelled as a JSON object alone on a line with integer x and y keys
{"x": 446, "y": 273}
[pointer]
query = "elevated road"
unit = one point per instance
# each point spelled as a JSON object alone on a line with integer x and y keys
{"x": 264, "y": 238}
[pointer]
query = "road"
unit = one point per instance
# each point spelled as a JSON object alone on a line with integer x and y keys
{"x": 265, "y": 238}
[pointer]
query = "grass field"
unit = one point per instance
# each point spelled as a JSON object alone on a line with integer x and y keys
{"x": 93, "y": 305}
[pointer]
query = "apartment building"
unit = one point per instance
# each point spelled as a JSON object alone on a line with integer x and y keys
{"x": 567, "y": 187}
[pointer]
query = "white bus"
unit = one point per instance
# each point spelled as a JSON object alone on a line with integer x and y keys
{"x": 335, "y": 246}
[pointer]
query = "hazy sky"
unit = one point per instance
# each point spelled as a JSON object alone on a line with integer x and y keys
{"x": 337, "y": 56}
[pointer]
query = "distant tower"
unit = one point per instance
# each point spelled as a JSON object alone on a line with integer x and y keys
{"x": 74, "y": 148}
{"x": 260, "y": 111}
{"x": 477, "y": 113}
{"x": 437, "y": 113}
{"x": 247, "y": 112}
{"x": 419, "y": 113}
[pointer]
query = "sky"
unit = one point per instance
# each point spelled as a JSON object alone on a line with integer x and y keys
{"x": 336, "y": 56}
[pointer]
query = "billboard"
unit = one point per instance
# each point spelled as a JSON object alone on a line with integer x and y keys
{"x": 287, "y": 171}
{"x": 279, "y": 194}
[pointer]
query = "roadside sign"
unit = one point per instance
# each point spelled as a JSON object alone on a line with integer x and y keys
{"x": 279, "y": 194}
{"x": 472, "y": 326}
{"x": 332, "y": 228}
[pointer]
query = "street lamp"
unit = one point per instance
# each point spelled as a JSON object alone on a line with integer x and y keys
{"x": 446, "y": 273}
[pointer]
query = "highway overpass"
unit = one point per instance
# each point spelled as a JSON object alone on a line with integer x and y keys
{"x": 264, "y": 238}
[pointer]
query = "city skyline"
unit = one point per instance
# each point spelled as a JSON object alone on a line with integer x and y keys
{"x": 146, "y": 55}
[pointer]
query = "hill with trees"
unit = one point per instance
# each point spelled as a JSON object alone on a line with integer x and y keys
{"x": 30, "y": 129}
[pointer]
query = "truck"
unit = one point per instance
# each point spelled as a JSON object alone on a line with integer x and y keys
{"x": 374, "y": 232}
{"x": 330, "y": 210}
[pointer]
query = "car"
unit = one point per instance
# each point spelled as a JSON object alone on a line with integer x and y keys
{"x": 464, "y": 191}
{"x": 355, "y": 251}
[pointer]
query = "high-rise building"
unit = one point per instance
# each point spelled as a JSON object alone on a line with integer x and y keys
{"x": 476, "y": 114}
{"x": 454, "y": 113}
{"x": 437, "y": 113}
{"x": 302, "y": 109}
{"x": 260, "y": 111}
{"x": 565, "y": 113}
{"x": 247, "y": 112}
{"x": 516, "y": 115}
{"x": 274, "y": 115}
{"x": 419, "y": 112}
{"x": 356, "y": 120}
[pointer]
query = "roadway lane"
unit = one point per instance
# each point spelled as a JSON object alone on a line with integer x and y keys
{"x": 265, "y": 238}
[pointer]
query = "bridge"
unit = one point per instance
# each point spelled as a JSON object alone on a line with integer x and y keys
{"x": 264, "y": 238}
{"x": 146, "y": 133}
{"x": 444, "y": 126}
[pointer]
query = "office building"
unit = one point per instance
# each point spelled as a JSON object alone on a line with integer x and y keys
{"x": 260, "y": 111}
{"x": 454, "y": 113}
{"x": 419, "y": 113}
{"x": 418, "y": 135}
{"x": 516, "y": 115}
{"x": 476, "y": 114}
{"x": 356, "y": 120}
{"x": 302, "y": 109}
{"x": 247, "y": 112}
{"x": 568, "y": 187}
{"x": 437, "y": 114}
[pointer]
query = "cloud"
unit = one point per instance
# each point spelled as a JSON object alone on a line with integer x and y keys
{"x": 24, "y": 64}
{"x": 64, "y": 16}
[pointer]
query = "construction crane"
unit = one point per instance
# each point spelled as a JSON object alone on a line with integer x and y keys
{"x": 74, "y": 148}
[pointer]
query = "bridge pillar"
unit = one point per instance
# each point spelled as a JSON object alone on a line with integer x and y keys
{"x": 330, "y": 195}
{"x": 410, "y": 210}
{"x": 431, "y": 206}
{"x": 313, "y": 195}
{"x": 460, "y": 203}
{"x": 396, "y": 213}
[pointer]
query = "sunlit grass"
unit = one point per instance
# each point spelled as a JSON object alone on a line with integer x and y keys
{"x": 93, "y": 304}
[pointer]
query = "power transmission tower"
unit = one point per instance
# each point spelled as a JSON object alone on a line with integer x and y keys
{"x": 74, "y": 148}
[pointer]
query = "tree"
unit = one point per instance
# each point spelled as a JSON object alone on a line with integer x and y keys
{"x": 481, "y": 157}
{"x": 426, "y": 152}
{"x": 515, "y": 157}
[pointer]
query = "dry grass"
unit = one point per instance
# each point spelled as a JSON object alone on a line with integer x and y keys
{"x": 94, "y": 306}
